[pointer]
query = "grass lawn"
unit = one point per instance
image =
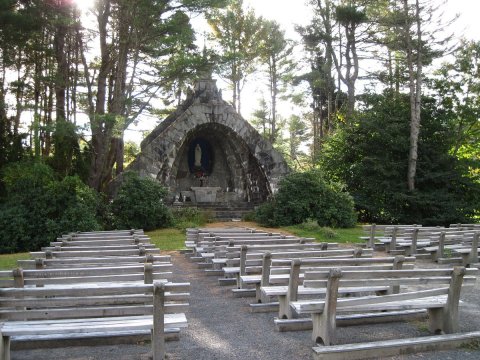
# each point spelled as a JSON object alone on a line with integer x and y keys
{"x": 173, "y": 239}
{"x": 168, "y": 239}
{"x": 312, "y": 230}
{"x": 9, "y": 261}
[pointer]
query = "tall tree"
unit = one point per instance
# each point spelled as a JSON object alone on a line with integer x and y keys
{"x": 276, "y": 54}
{"x": 22, "y": 24}
{"x": 261, "y": 118}
{"x": 297, "y": 136}
{"x": 457, "y": 85}
{"x": 238, "y": 33}
{"x": 380, "y": 141}
{"x": 133, "y": 35}
{"x": 349, "y": 16}
{"x": 420, "y": 47}
{"x": 337, "y": 26}
{"x": 321, "y": 89}
{"x": 64, "y": 19}
{"x": 415, "y": 72}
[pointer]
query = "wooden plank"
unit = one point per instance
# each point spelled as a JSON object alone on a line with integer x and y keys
{"x": 86, "y": 326}
{"x": 380, "y": 349}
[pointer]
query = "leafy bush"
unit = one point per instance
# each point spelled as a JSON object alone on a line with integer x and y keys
{"x": 370, "y": 157}
{"x": 75, "y": 206}
{"x": 264, "y": 214}
{"x": 37, "y": 208}
{"x": 336, "y": 210}
{"x": 189, "y": 217}
{"x": 249, "y": 216}
{"x": 140, "y": 204}
{"x": 303, "y": 196}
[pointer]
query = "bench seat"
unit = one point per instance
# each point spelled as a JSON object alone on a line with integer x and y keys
{"x": 384, "y": 348}
{"x": 66, "y": 312}
{"x": 63, "y": 328}
{"x": 439, "y": 294}
{"x": 302, "y": 290}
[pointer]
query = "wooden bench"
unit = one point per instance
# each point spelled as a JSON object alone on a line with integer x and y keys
{"x": 102, "y": 242}
{"x": 253, "y": 262}
{"x": 444, "y": 242}
{"x": 469, "y": 255}
{"x": 105, "y": 232}
{"x": 41, "y": 263}
{"x": 102, "y": 235}
{"x": 194, "y": 236}
{"x": 249, "y": 257}
{"x": 61, "y": 313}
{"x": 221, "y": 249}
{"x": 374, "y": 232}
{"x": 210, "y": 237}
{"x": 440, "y": 300}
{"x": 277, "y": 272}
{"x": 141, "y": 251}
{"x": 222, "y": 256}
{"x": 395, "y": 347}
{"x": 290, "y": 292}
{"x": 99, "y": 248}
{"x": 146, "y": 273}
{"x": 214, "y": 244}
{"x": 465, "y": 226}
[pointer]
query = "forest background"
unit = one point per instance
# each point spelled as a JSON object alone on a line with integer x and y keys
{"x": 400, "y": 137}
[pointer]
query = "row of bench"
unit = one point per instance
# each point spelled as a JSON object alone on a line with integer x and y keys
{"x": 459, "y": 241}
{"x": 73, "y": 293}
{"x": 337, "y": 288}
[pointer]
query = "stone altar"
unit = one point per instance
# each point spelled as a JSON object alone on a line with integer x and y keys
{"x": 206, "y": 193}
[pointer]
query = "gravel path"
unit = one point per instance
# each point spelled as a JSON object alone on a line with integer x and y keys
{"x": 221, "y": 327}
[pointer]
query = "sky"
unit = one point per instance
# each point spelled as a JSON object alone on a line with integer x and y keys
{"x": 291, "y": 12}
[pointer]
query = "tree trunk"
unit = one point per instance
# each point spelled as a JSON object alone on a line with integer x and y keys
{"x": 415, "y": 86}
{"x": 101, "y": 126}
{"x": 273, "y": 98}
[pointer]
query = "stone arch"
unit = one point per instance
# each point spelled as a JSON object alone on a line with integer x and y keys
{"x": 235, "y": 169}
{"x": 249, "y": 166}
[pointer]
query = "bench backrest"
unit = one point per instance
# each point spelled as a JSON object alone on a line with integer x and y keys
{"x": 69, "y": 254}
{"x": 99, "y": 248}
{"x": 256, "y": 258}
{"x": 85, "y": 301}
{"x": 113, "y": 241}
{"x": 388, "y": 277}
{"x": 41, "y": 263}
{"x": 146, "y": 273}
{"x": 300, "y": 266}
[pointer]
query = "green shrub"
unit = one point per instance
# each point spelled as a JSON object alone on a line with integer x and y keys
{"x": 37, "y": 208}
{"x": 140, "y": 204}
{"x": 304, "y": 196}
{"x": 249, "y": 216}
{"x": 189, "y": 217}
{"x": 76, "y": 206}
{"x": 264, "y": 214}
{"x": 336, "y": 210}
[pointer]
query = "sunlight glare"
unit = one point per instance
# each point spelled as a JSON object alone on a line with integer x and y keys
{"x": 84, "y": 5}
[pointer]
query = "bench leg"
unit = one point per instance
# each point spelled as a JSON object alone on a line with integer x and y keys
{"x": 435, "y": 320}
{"x": 325, "y": 323}
{"x": 258, "y": 294}
{"x": 5, "y": 348}
{"x": 158, "y": 331}
{"x": 283, "y": 308}
{"x": 239, "y": 281}
{"x": 324, "y": 331}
